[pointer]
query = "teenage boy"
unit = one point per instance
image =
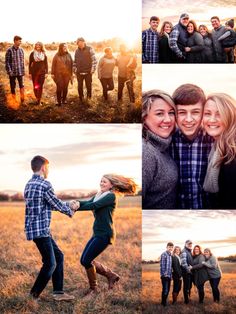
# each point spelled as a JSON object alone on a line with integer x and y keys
{"x": 190, "y": 147}
{"x": 220, "y": 55}
{"x": 166, "y": 271}
{"x": 186, "y": 266}
{"x": 15, "y": 67}
{"x": 40, "y": 200}
{"x": 150, "y": 42}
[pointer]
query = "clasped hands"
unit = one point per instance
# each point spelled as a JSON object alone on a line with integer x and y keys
{"x": 74, "y": 205}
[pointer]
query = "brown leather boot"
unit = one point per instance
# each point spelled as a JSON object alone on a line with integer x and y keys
{"x": 174, "y": 297}
{"x": 91, "y": 273}
{"x": 106, "y": 272}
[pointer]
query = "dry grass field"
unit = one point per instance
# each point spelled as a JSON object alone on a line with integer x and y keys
{"x": 94, "y": 110}
{"x": 20, "y": 262}
{"x": 151, "y": 294}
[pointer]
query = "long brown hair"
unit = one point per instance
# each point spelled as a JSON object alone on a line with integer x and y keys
{"x": 121, "y": 184}
{"x": 162, "y": 33}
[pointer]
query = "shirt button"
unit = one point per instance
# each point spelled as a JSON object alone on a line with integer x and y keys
{"x": 189, "y": 179}
{"x": 188, "y": 162}
{"x": 189, "y": 195}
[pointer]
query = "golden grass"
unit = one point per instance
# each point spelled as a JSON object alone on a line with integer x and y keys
{"x": 151, "y": 294}
{"x": 95, "y": 110}
{"x": 20, "y": 262}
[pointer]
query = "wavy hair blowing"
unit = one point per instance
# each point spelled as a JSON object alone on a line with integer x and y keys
{"x": 226, "y": 144}
{"x": 121, "y": 184}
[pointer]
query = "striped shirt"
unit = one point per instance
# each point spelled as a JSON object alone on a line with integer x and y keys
{"x": 15, "y": 64}
{"x": 40, "y": 200}
{"x": 166, "y": 264}
{"x": 191, "y": 158}
{"x": 150, "y": 46}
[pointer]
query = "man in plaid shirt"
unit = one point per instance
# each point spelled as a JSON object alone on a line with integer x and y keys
{"x": 15, "y": 67}
{"x": 166, "y": 271}
{"x": 190, "y": 147}
{"x": 40, "y": 200}
{"x": 150, "y": 42}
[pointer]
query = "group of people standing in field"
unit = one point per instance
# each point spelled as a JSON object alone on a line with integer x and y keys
{"x": 189, "y": 149}
{"x": 84, "y": 66}
{"x": 195, "y": 266}
{"x": 188, "y": 43}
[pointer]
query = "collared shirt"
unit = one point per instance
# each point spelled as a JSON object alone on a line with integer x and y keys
{"x": 15, "y": 64}
{"x": 166, "y": 264}
{"x": 150, "y": 46}
{"x": 40, "y": 200}
{"x": 191, "y": 158}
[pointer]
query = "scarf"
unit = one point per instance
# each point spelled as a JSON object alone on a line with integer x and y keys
{"x": 211, "y": 179}
{"x": 39, "y": 56}
{"x": 100, "y": 195}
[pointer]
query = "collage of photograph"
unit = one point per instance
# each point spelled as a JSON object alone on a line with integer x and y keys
{"x": 118, "y": 157}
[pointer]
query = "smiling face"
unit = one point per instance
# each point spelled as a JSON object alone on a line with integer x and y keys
{"x": 154, "y": 24}
{"x": 169, "y": 248}
{"x": 161, "y": 118}
{"x": 105, "y": 185}
{"x": 167, "y": 28}
{"x": 184, "y": 21}
{"x": 38, "y": 47}
{"x": 189, "y": 245}
{"x": 190, "y": 28}
{"x": 207, "y": 254}
{"x": 189, "y": 118}
{"x": 215, "y": 23}
{"x": 212, "y": 121}
{"x": 196, "y": 250}
{"x": 202, "y": 30}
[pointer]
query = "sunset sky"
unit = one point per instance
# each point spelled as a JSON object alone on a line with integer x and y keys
{"x": 211, "y": 78}
{"x": 57, "y": 20}
{"x": 199, "y": 10}
{"x": 214, "y": 229}
{"x": 79, "y": 154}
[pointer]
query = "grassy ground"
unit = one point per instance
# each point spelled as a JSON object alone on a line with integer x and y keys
{"x": 91, "y": 111}
{"x": 151, "y": 294}
{"x": 20, "y": 262}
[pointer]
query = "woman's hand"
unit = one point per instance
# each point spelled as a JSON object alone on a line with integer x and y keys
{"x": 187, "y": 49}
{"x": 74, "y": 205}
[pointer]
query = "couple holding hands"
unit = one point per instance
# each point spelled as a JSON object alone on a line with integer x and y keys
{"x": 40, "y": 200}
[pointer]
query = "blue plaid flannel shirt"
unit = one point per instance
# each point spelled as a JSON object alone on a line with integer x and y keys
{"x": 166, "y": 264}
{"x": 15, "y": 64}
{"x": 191, "y": 158}
{"x": 40, "y": 200}
{"x": 150, "y": 46}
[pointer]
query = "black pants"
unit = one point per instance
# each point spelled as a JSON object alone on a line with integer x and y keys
{"x": 53, "y": 260}
{"x": 187, "y": 285}
{"x": 88, "y": 83}
{"x": 201, "y": 292}
{"x": 38, "y": 81}
{"x": 13, "y": 83}
{"x": 62, "y": 83}
{"x": 165, "y": 289}
{"x": 130, "y": 86}
{"x": 215, "y": 290}
{"x": 177, "y": 283}
{"x": 107, "y": 84}
{"x": 94, "y": 247}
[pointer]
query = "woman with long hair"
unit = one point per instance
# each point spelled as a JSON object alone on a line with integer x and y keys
{"x": 219, "y": 121}
{"x": 62, "y": 66}
{"x": 38, "y": 68}
{"x": 166, "y": 55}
{"x": 176, "y": 273}
{"x": 195, "y": 44}
{"x": 200, "y": 275}
{"x": 103, "y": 205}
{"x": 207, "y": 52}
{"x": 160, "y": 173}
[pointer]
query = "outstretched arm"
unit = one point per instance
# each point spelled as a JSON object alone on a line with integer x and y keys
{"x": 107, "y": 200}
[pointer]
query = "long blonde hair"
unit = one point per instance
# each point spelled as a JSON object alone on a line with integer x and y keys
{"x": 226, "y": 144}
{"x": 41, "y": 46}
{"x": 121, "y": 184}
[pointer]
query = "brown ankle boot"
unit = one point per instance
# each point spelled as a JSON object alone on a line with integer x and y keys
{"x": 91, "y": 273}
{"x": 106, "y": 272}
{"x": 174, "y": 297}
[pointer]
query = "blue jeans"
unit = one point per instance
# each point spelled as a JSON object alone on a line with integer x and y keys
{"x": 214, "y": 286}
{"x": 53, "y": 260}
{"x": 165, "y": 289}
{"x": 13, "y": 79}
{"x": 94, "y": 247}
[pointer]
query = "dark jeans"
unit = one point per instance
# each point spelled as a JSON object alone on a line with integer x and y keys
{"x": 94, "y": 247}
{"x": 187, "y": 285}
{"x": 88, "y": 83}
{"x": 129, "y": 83}
{"x": 165, "y": 281}
{"x": 52, "y": 259}
{"x": 62, "y": 88}
{"x": 107, "y": 84}
{"x": 38, "y": 81}
{"x": 13, "y": 83}
{"x": 177, "y": 283}
{"x": 214, "y": 286}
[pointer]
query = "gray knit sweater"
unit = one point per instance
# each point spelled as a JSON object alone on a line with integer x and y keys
{"x": 159, "y": 173}
{"x": 213, "y": 267}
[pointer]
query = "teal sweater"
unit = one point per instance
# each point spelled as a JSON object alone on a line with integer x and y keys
{"x": 103, "y": 211}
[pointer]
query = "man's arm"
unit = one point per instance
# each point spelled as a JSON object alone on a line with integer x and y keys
{"x": 174, "y": 35}
{"x": 184, "y": 263}
{"x": 94, "y": 60}
{"x": 107, "y": 200}
{"x": 144, "y": 38}
{"x": 8, "y": 62}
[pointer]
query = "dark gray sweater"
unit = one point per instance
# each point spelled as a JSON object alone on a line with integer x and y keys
{"x": 159, "y": 173}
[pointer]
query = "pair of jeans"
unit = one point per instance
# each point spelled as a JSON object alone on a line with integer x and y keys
{"x": 53, "y": 261}
{"x": 165, "y": 281}
{"x": 38, "y": 81}
{"x": 88, "y": 83}
{"x": 129, "y": 83}
{"x": 95, "y": 246}
{"x": 214, "y": 286}
{"x": 187, "y": 285}
{"x": 13, "y": 82}
{"x": 107, "y": 84}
